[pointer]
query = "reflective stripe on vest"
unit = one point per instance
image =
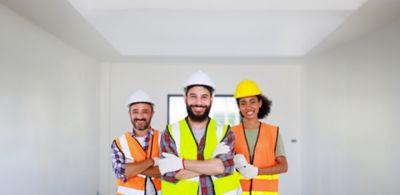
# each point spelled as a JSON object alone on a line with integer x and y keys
{"x": 186, "y": 146}
{"x": 260, "y": 193}
{"x": 132, "y": 149}
{"x": 125, "y": 148}
{"x": 130, "y": 191}
{"x": 263, "y": 157}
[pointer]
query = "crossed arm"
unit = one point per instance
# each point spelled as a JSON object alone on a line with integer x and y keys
{"x": 144, "y": 167}
{"x": 219, "y": 166}
{"x": 124, "y": 170}
{"x": 194, "y": 168}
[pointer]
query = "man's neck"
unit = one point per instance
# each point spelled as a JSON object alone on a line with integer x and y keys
{"x": 197, "y": 124}
{"x": 139, "y": 133}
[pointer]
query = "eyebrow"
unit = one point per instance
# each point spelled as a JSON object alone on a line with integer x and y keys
{"x": 195, "y": 94}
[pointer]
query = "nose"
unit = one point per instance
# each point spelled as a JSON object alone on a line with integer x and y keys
{"x": 197, "y": 101}
{"x": 140, "y": 115}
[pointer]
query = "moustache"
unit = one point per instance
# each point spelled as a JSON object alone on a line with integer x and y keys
{"x": 139, "y": 120}
{"x": 198, "y": 106}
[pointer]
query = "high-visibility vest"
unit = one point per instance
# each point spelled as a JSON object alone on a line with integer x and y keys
{"x": 132, "y": 149}
{"x": 186, "y": 146}
{"x": 263, "y": 157}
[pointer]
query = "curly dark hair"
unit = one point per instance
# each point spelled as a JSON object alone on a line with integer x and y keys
{"x": 265, "y": 107}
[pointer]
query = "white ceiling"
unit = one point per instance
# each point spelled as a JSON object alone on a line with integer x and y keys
{"x": 219, "y": 5}
{"x": 215, "y": 28}
{"x": 207, "y": 28}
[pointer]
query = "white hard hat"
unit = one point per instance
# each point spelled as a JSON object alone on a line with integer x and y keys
{"x": 139, "y": 96}
{"x": 199, "y": 78}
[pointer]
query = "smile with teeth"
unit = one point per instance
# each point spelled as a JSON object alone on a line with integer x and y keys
{"x": 250, "y": 113}
{"x": 140, "y": 121}
{"x": 198, "y": 108}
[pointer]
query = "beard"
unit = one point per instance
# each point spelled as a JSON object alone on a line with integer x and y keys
{"x": 198, "y": 118}
{"x": 143, "y": 127}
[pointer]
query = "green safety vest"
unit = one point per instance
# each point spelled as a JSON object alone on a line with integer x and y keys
{"x": 186, "y": 146}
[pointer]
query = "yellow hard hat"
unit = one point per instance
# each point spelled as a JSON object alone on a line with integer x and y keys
{"x": 247, "y": 88}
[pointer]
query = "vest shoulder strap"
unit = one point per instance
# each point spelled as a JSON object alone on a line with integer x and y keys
{"x": 123, "y": 144}
{"x": 175, "y": 133}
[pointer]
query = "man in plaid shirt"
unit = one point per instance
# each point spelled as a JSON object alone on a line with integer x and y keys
{"x": 174, "y": 167}
{"x": 135, "y": 153}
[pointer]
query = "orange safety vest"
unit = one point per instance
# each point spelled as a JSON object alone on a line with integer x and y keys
{"x": 129, "y": 146}
{"x": 263, "y": 157}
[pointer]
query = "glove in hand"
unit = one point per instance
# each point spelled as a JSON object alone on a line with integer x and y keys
{"x": 240, "y": 161}
{"x": 248, "y": 171}
{"x": 169, "y": 163}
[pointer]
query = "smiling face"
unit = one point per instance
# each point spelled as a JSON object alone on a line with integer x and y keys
{"x": 198, "y": 101}
{"x": 249, "y": 107}
{"x": 141, "y": 114}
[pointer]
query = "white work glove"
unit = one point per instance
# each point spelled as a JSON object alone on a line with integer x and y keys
{"x": 240, "y": 161}
{"x": 169, "y": 163}
{"x": 155, "y": 159}
{"x": 248, "y": 171}
{"x": 221, "y": 148}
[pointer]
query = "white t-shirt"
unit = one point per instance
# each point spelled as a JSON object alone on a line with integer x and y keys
{"x": 150, "y": 189}
{"x": 198, "y": 133}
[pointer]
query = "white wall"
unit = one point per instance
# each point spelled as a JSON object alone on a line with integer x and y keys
{"x": 280, "y": 82}
{"x": 50, "y": 122}
{"x": 350, "y": 125}
{"x": 48, "y": 113}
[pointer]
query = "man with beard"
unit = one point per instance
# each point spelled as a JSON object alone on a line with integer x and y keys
{"x": 198, "y": 151}
{"x": 135, "y": 154}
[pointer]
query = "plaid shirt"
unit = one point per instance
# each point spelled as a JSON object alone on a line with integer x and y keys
{"x": 118, "y": 158}
{"x": 168, "y": 145}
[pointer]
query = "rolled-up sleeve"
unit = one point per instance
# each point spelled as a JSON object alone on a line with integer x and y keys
{"x": 227, "y": 159}
{"x": 168, "y": 146}
{"x": 118, "y": 162}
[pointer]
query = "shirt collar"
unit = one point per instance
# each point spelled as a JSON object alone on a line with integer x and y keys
{"x": 149, "y": 132}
